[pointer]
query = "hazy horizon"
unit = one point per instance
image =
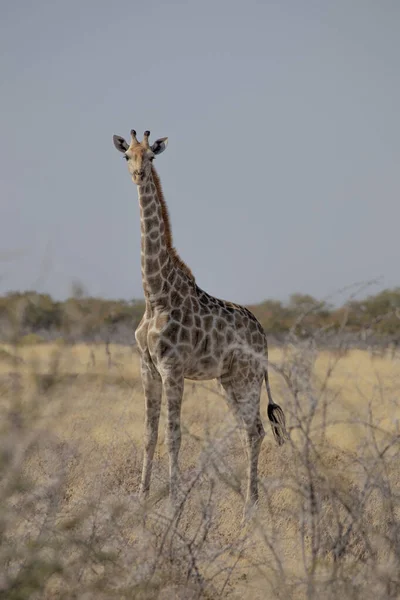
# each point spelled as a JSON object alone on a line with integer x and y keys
{"x": 282, "y": 171}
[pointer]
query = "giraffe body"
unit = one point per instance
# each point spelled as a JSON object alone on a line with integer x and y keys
{"x": 187, "y": 334}
{"x": 203, "y": 335}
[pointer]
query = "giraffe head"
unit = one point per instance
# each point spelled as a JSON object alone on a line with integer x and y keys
{"x": 139, "y": 155}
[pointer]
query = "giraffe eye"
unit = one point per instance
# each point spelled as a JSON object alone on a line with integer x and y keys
{"x": 151, "y": 158}
{"x": 126, "y": 157}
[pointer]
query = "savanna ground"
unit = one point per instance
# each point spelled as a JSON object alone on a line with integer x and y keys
{"x": 71, "y": 526}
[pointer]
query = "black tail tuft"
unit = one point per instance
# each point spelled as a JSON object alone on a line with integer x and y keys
{"x": 278, "y": 423}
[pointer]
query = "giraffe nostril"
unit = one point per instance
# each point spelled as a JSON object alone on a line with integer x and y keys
{"x": 138, "y": 174}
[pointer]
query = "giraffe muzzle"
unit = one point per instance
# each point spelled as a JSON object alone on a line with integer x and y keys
{"x": 138, "y": 175}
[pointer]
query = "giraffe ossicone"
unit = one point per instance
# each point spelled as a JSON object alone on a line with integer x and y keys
{"x": 185, "y": 333}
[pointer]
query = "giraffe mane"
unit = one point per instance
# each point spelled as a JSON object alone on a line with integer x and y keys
{"x": 167, "y": 224}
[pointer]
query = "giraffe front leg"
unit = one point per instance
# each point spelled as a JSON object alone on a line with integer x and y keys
{"x": 152, "y": 386}
{"x": 173, "y": 385}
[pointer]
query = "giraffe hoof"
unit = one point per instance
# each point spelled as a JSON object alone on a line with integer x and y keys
{"x": 143, "y": 494}
{"x": 249, "y": 511}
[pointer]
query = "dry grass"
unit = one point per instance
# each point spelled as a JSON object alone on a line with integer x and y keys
{"x": 328, "y": 522}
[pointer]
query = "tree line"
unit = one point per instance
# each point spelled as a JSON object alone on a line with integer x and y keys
{"x": 82, "y": 318}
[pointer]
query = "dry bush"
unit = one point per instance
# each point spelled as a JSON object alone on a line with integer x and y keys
{"x": 71, "y": 526}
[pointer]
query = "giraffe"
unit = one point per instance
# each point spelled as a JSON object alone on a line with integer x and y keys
{"x": 185, "y": 333}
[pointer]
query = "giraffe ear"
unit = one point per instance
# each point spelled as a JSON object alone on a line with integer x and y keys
{"x": 120, "y": 143}
{"x": 159, "y": 145}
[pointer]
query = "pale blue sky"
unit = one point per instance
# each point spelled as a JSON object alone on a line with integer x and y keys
{"x": 282, "y": 172}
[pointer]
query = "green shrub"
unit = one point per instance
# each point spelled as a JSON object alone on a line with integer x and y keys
{"x": 30, "y": 339}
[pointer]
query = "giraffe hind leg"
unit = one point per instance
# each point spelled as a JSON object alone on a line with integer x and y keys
{"x": 245, "y": 403}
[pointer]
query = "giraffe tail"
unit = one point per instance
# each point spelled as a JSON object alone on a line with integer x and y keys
{"x": 276, "y": 417}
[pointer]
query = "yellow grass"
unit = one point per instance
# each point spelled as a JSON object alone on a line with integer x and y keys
{"x": 88, "y": 403}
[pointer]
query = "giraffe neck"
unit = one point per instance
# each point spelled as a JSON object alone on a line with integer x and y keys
{"x": 162, "y": 268}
